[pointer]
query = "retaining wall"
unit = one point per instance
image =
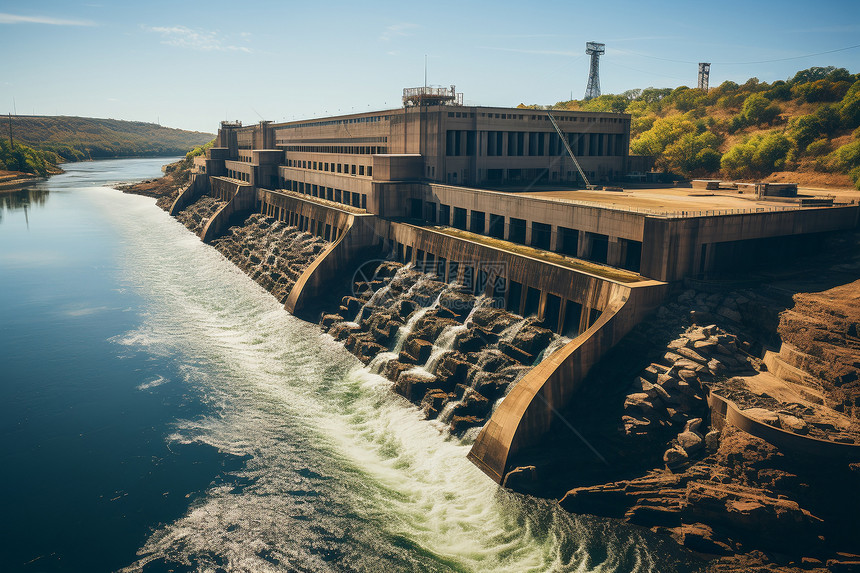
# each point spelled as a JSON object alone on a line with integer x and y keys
{"x": 528, "y": 411}
{"x": 352, "y": 235}
{"x": 198, "y": 186}
{"x": 724, "y": 411}
{"x": 239, "y": 197}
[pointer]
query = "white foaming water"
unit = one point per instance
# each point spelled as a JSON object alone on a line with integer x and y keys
{"x": 340, "y": 473}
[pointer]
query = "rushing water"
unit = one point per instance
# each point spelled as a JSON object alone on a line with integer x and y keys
{"x": 161, "y": 412}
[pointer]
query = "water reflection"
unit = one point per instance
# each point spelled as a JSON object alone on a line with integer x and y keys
{"x": 22, "y": 199}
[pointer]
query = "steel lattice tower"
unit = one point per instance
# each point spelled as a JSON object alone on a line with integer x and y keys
{"x": 704, "y": 72}
{"x": 595, "y": 50}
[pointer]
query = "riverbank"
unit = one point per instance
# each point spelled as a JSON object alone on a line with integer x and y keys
{"x": 16, "y": 180}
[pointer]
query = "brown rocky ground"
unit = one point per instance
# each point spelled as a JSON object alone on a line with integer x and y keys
{"x": 726, "y": 494}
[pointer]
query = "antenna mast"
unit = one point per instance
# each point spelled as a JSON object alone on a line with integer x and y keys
{"x": 704, "y": 72}
{"x": 595, "y": 50}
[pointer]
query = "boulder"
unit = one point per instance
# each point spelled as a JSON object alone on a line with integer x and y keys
{"x": 640, "y": 402}
{"x": 520, "y": 477}
{"x": 694, "y": 425}
{"x": 352, "y": 305}
{"x": 692, "y": 442}
{"x": 763, "y": 415}
{"x": 416, "y": 350}
{"x": 404, "y": 308}
{"x": 413, "y": 387}
{"x": 532, "y": 339}
{"x": 460, "y": 424}
{"x": 517, "y": 354}
{"x": 712, "y": 441}
{"x": 433, "y": 402}
{"x": 675, "y": 457}
{"x": 460, "y": 304}
{"x": 692, "y": 355}
{"x": 472, "y": 403}
{"x": 328, "y": 320}
{"x": 793, "y": 424}
{"x": 366, "y": 350}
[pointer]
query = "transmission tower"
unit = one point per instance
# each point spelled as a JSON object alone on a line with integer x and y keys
{"x": 595, "y": 50}
{"x": 704, "y": 72}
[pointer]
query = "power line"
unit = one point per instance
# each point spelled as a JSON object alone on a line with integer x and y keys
{"x": 745, "y": 63}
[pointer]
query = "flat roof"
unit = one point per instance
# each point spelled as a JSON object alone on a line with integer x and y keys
{"x": 667, "y": 201}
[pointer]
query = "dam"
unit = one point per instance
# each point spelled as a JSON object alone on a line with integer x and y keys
{"x": 487, "y": 202}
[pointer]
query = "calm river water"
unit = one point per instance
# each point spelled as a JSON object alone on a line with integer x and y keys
{"x": 160, "y": 412}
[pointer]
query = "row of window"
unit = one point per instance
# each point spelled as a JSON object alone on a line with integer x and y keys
{"x": 331, "y": 194}
{"x": 342, "y": 149}
{"x": 239, "y": 175}
{"x": 584, "y": 119}
{"x": 345, "y": 168}
{"x": 460, "y": 143}
{"x": 515, "y": 230}
{"x": 364, "y": 119}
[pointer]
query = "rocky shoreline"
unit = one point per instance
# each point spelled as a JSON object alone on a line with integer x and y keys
{"x": 726, "y": 493}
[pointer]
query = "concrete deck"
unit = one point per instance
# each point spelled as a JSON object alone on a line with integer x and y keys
{"x": 672, "y": 201}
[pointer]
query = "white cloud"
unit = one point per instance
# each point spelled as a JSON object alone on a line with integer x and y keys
{"x": 18, "y": 19}
{"x": 202, "y": 40}
{"x": 397, "y": 30}
{"x": 537, "y": 52}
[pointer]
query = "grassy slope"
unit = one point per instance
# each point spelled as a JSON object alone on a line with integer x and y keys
{"x": 720, "y": 120}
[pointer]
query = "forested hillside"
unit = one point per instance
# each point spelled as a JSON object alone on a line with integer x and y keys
{"x": 44, "y": 141}
{"x": 808, "y": 124}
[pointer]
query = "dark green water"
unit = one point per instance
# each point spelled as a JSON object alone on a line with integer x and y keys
{"x": 161, "y": 412}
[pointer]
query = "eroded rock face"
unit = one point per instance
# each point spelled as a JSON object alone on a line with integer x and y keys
{"x": 271, "y": 252}
{"x": 196, "y": 215}
{"x": 446, "y": 350}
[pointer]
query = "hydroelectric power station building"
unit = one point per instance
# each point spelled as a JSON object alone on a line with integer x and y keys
{"x": 490, "y": 197}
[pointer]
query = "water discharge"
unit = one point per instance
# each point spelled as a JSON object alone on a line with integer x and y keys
{"x": 338, "y": 473}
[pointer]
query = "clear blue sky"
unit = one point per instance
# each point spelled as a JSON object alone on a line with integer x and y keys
{"x": 192, "y": 64}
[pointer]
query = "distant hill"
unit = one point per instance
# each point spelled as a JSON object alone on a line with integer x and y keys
{"x": 805, "y": 129}
{"x": 76, "y": 138}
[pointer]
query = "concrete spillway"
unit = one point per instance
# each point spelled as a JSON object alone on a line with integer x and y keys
{"x": 594, "y": 305}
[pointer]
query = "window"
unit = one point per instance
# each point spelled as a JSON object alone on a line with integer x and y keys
{"x": 444, "y": 214}
{"x": 460, "y": 218}
{"x": 361, "y": 169}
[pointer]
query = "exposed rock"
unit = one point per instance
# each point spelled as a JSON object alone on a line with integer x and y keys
{"x": 675, "y": 457}
{"x": 763, "y": 415}
{"x": 692, "y": 442}
{"x": 793, "y": 424}
{"x": 519, "y": 477}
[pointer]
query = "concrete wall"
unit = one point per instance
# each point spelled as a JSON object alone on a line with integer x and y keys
{"x": 528, "y": 411}
{"x": 199, "y": 185}
{"x": 672, "y": 248}
{"x": 725, "y": 411}
{"x": 239, "y": 196}
{"x": 353, "y": 238}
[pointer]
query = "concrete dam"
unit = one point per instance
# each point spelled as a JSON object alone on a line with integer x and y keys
{"x": 486, "y": 302}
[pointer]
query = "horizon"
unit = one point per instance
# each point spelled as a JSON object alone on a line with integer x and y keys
{"x": 180, "y": 67}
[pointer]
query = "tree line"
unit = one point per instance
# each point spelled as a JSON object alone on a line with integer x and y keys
{"x": 810, "y": 122}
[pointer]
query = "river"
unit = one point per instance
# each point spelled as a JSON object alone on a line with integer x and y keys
{"x": 161, "y": 412}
